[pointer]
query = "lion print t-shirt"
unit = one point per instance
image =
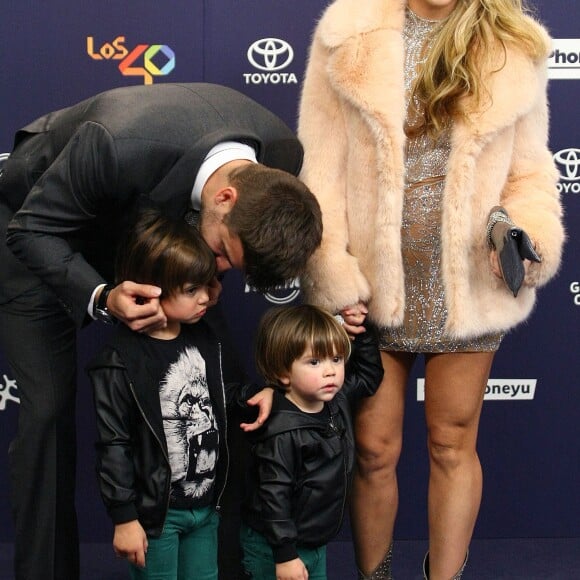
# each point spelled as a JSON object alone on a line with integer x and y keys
{"x": 189, "y": 421}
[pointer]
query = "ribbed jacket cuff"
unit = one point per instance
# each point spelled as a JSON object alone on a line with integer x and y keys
{"x": 284, "y": 553}
{"x": 124, "y": 513}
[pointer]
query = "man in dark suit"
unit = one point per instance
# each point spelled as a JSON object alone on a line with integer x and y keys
{"x": 67, "y": 192}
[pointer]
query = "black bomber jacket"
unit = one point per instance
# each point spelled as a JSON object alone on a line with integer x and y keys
{"x": 301, "y": 469}
{"x": 132, "y": 461}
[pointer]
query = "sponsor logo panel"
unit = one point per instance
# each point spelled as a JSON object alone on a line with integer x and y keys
{"x": 497, "y": 389}
{"x": 564, "y": 60}
{"x": 144, "y": 60}
{"x": 575, "y": 290}
{"x": 284, "y": 294}
{"x": 568, "y": 163}
{"x": 270, "y": 59}
{"x": 8, "y": 390}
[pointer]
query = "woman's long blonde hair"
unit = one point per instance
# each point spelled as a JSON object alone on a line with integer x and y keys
{"x": 465, "y": 44}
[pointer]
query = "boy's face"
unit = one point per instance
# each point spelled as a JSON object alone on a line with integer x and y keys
{"x": 313, "y": 381}
{"x": 188, "y": 305}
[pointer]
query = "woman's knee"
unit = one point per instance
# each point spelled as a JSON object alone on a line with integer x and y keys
{"x": 450, "y": 447}
{"x": 377, "y": 456}
{"x": 378, "y": 438}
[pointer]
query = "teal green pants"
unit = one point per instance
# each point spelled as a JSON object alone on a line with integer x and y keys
{"x": 259, "y": 561}
{"x": 186, "y": 549}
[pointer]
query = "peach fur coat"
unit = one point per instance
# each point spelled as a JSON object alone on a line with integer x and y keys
{"x": 351, "y": 126}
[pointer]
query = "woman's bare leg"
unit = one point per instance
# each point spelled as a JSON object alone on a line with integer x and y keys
{"x": 454, "y": 388}
{"x": 378, "y": 428}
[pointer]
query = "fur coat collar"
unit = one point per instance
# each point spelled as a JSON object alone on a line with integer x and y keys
{"x": 367, "y": 36}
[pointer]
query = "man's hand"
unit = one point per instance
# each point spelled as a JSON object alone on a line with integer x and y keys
{"x": 291, "y": 570}
{"x": 263, "y": 400}
{"x": 130, "y": 542}
{"x": 214, "y": 290}
{"x": 354, "y": 317}
{"x": 138, "y": 306}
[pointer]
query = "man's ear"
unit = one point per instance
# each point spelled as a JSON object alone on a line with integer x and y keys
{"x": 225, "y": 199}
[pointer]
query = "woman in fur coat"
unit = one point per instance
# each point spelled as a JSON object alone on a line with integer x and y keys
{"x": 425, "y": 126}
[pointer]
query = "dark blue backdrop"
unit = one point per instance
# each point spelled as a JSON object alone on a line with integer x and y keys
{"x": 56, "y": 53}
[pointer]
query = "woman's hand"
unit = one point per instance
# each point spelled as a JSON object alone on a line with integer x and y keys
{"x": 494, "y": 263}
{"x": 496, "y": 269}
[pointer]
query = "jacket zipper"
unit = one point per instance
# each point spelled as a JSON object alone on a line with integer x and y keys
{"x": 143, "y": 414}
{"x": 334, "y": 428}
{"x": 227, "y": 473}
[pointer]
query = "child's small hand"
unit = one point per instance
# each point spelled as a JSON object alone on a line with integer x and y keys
{"x": 130, "y": 542}
{"x": 354, "y": 317}
{"x": 263, "y": 400}
{"x": 291, "y": 570}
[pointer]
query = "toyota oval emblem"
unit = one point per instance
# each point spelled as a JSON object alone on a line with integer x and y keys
{"x": 270, "y": 54}
{"x": 569, "y": 162}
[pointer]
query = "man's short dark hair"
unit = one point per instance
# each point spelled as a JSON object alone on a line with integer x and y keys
{"x": 278, "y": 221}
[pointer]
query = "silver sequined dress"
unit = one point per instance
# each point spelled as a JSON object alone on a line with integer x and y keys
{"x": 426, "y": 158}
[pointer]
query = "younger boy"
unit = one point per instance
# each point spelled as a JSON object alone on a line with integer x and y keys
{"x": 303, "y": 457}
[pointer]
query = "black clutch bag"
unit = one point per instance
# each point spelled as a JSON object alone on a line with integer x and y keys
{"x": 513, "y": 246}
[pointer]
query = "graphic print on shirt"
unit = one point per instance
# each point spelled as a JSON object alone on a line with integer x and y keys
{"x": 190, "y": 425}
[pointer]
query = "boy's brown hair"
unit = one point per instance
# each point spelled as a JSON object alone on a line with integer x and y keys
{"x": 285, "y": 333}
{"x": 164, "y": 252}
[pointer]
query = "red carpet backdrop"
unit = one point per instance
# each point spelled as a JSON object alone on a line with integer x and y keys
{"x": 57, "y": 53}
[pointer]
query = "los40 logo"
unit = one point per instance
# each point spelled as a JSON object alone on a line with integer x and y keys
{"x": 144, "y": 60}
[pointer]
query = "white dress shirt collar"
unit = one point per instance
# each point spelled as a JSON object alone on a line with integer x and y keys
{"x": 219, "y": 155}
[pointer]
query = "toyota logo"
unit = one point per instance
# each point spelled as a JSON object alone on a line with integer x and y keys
{"x": 270, "y": 54}
{"x": 569, "y": 161}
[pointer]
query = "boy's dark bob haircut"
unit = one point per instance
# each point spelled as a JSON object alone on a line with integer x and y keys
{"x": 285, "y": 333}
{"x": 164, "y": 252}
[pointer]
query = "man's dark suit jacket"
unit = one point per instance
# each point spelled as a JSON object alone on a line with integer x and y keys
{"x": 75, "y": 175}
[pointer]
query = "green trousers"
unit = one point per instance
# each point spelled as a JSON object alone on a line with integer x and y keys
{"x": 259, "y": 561}
{"x": 186, "y": 549}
